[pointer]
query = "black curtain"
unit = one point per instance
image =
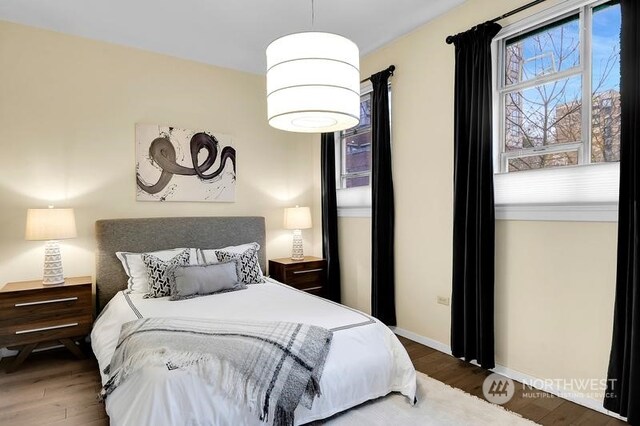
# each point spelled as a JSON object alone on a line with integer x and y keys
{"x": 623, "y": 386}
{"x": 383, "y": 305}
{"x": 330, "y": 217}
{"x": 472, "y": 334}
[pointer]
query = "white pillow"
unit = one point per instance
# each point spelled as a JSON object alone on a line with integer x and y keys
{"x": 209, "y": 255}
{"x": 137, "y": 271}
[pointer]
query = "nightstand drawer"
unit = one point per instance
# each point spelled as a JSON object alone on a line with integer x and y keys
{"x": 308, "y": 275}
{"x": 27, "y": 306}
{"x": 300, "y": 277}
{"x": 44, "y": 330}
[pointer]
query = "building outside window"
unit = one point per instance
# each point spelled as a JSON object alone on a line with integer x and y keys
{"x": 353, "y": 161}
{"x": 355, "y": 148}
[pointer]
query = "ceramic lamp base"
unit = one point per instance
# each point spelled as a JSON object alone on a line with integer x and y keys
{"x": 53, "y": 274}
{"x": 297, "y": 252}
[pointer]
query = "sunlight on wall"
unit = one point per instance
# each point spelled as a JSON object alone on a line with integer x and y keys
{"x": 48, "y": 185}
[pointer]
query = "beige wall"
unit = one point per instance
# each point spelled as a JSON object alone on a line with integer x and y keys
{"x": 554, "y": 280}
{"x": 354, "y": 245}
{"x": 68, "y": 107}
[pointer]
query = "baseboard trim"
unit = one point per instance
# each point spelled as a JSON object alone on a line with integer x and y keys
{"x": 512, "y": 374}
{"x": 433, "y": 344}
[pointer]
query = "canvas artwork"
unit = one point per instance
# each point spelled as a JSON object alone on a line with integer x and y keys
{"x": 175, "y": 164}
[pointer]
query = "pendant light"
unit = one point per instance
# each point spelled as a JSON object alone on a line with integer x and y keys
{"x": 313, "y": 83}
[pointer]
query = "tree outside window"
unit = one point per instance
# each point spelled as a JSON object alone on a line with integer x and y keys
{"x": 560, "y": 101}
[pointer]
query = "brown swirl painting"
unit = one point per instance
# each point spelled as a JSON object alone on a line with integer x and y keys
{"x": 174, "y": 164}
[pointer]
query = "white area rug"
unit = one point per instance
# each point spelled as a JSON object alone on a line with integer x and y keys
{"x": 438, "y": 404}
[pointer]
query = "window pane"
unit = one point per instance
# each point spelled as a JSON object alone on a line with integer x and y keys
{"x": 352, "y": 182}
{"x": 549, "y": 49}
{"x": 356, "y": 148}
{"x": 544, "y": 115}
{"x": 365, "y": 115}
{"x": 357, "y": 158}
{"x": 555, "y": 159}
{"x": 605, "y": 115}
{"x": 365, "y": 111}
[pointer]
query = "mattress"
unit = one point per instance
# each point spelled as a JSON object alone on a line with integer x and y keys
{"x": 366, "y": 360}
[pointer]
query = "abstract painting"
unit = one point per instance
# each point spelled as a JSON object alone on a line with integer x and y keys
{"x": 175, "y": 164}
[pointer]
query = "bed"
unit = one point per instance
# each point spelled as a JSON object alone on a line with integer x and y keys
{"x": 365, "y": 360}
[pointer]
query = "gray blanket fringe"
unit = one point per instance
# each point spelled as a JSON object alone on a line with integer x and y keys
{"x": 272, "y": 367}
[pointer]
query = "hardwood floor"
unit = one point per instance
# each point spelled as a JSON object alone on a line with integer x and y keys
{"x": 51, "y": 388}
{"x": 541, "y": 407}
{"x": 54, "y": 388}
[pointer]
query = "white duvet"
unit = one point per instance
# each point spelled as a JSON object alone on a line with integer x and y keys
{"x": 365, "y": 361}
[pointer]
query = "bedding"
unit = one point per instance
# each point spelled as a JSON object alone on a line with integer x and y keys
{"x": 290, "y": 357}
{"x": 200, "y": 280}
{"x": 157, "y": 272}
{"x": 136, "y": 270}
{"x": 365, "y": 360}
{"x": 249, "y": 271}
{"x": 209, "y": 255}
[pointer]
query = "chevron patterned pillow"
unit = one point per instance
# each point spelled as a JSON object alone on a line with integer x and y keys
{"x": 157, "y": 268}
{"x": 249, "y": 271}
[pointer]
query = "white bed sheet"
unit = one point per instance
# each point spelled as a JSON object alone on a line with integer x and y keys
{"x": 366, "y": 360}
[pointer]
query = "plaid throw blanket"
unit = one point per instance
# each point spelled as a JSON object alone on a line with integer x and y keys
{"x": 270, "y": 366}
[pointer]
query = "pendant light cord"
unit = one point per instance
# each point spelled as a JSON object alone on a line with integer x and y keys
{"x": 313, "y": 14}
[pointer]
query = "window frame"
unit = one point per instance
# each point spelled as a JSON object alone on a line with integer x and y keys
{"x": 356, "y": 201}
{"x": 365, "y": 89}
{"x": 512, "y": 202}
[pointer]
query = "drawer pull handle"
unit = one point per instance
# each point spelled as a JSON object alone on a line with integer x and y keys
{"x": 44, "y": 302}
{"x": 307, "y": 271}
{"x": 53, "y": 327}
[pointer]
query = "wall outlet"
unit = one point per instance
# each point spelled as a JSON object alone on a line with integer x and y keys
{"x": 443, "y": 300}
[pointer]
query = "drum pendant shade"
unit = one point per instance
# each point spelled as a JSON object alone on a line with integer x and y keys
{"x": 313, "y": 83}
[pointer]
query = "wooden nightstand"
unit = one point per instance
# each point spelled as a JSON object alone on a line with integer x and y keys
{"x": 308, "y": 274}
{"x": 32, "y": 314}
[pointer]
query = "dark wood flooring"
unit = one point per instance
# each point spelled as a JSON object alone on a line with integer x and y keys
{"x": 541, "y": 407}
{"x": 54, "y": 388}
{"x": 51, "y": 388}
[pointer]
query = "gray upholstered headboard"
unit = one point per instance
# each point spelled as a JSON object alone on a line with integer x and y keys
{"x": 150, "y": 234}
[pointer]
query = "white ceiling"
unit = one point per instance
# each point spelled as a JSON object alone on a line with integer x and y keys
{"x": 231, "y": 33}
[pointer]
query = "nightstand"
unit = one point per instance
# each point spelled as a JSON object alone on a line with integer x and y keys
{"x": 308, "y": 275}
{"x": 32, "y": 314}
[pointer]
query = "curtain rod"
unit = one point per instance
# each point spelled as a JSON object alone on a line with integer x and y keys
{"x": 391, "y": 69}
{"x": 449, "y": 39}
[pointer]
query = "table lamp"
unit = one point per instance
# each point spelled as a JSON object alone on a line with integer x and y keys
{"x": 297, "y": 218}
{"x": 51, "y": 225}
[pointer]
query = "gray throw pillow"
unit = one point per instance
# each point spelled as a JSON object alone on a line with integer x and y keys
{"x": 200, "y": 280}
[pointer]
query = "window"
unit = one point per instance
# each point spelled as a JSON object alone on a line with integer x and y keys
{"x": 355, "y": 148}
{"x": 559, "y": 91}
{"x": 557, "y": 114}
{"x": 353, "y": 161}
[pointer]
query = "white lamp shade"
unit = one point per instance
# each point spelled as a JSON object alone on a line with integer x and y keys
{"x": 50, "y": 224}
{"x": 313, "y": 83}
{"x": 297, "y": 218}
